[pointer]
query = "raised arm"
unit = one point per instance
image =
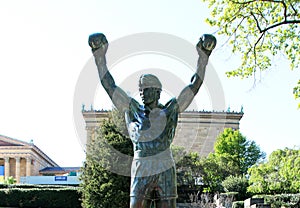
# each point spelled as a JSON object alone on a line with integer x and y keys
{"x": 204, "y": 47}
{"x": 99, "y": 45}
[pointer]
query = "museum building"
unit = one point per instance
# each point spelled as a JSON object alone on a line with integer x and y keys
{"x": 19, "y": 159}
{"x": 196, "y": 131}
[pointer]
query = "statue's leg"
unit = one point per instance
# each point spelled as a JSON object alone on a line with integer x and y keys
{"x": 169, "y": 203}
{"x": 136, "y": 202}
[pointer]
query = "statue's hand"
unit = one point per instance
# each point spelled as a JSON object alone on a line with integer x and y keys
{"x": 206, "y": 44}
{"x": 98, "y": 43}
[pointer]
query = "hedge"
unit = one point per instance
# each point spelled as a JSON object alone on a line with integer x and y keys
{"x": 281, "y": 200}
{"x": 25, "y": 186}
{"x": 238, "y": 204}
{"x": 39, "y": 196}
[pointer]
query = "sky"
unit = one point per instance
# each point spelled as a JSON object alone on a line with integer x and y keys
{"x": 44, "y": 51}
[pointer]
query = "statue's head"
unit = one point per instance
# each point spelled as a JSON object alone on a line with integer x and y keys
{"x": 150, "y": 88}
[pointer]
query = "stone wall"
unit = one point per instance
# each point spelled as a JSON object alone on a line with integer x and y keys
{"x": 196, "y": 130}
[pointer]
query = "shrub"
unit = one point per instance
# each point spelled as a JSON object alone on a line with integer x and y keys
{"x": 105, "y": 175}
{"x": 281, "y": 200}
{"x": 236, "y": 184}
{"x": 238, "y": 204}
{"x": 13, "y": 196}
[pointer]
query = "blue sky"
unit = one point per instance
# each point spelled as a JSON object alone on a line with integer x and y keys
{"x": 43, "y": 50}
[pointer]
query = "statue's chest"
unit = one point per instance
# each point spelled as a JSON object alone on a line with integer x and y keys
{"x": 147, "y": 127}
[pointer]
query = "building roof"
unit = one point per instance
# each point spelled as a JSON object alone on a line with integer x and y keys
{"x": 8, "y": 143}
{"x": 59, "y": 169}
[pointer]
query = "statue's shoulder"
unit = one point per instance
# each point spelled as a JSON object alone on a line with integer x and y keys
{"x": 171, "y": 105}
{"x": 172, "y": 101}
{"x": 135, "y": 106}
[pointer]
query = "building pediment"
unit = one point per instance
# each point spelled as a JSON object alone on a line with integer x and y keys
{"x": 10, "y": 146}
{"x": 4, "y": 143}
{"x": 7, "y": 141}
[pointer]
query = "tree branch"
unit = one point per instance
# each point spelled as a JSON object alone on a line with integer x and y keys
{"x": 296, "y": 12}
{"x": 254, "y": 48}
{"x": 257, "y": 23}
{"x": 284, "y": 10}
{"x": 252, "y": 1}
{"x": 237, "y": 27}
{"x": 274, "y": 25}
{"x": 281, "y": 23}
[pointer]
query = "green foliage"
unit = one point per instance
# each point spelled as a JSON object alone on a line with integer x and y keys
{"x": 187, "y": 174}
{"x": 233, "y": 155}
{"x": 238, "y": 204}
{"x": 259, "y": 30}
{"x": 10, "y": 180}
{"x": 237, "y": 184}
{"x": 178, "y": 153}
{"x": 187, "y": 169}
{"x": 34, "y": 186}
{"x": 105, "y": 176}
{"x": 233, "y": 150}
{"x": 280, "y": 174}
{"x": 281, "y": 200}
{"x": 226, "y": 199}
{"x": 297, "y": 92}
{"x": 39, "y": 196}
{"x": 213, "y": 173}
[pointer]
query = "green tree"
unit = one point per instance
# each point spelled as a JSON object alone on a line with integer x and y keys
{"x": 233, "y": 150}
{"x": 187, "y": 169}
{"x": 213, "y": 173}
{"x": 188, "y": 175}
{"x": 280, "y": 174}
{"x": 233, "y": 155}
{"x": 237, "y": 184}
{"x": 102, "y": 184}
{"x": 259, "y": 30}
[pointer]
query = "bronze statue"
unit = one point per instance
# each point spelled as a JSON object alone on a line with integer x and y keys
{"x": 151, "y": 126}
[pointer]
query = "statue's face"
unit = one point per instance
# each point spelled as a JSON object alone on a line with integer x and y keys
{"x": 149, "y": 95}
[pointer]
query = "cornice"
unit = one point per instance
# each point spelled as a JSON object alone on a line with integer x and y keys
{"x": 25, "y": 146}
{"x": 98, "y": 115}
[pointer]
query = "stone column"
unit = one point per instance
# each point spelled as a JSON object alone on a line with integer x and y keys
{"x": 28, "y": 166}
{"x": 6, "y": 167}
{"x": 18, "y": 169}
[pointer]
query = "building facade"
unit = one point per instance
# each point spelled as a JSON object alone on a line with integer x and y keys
{"x": 19, "y": 159}
{"x": 196, "y": 130}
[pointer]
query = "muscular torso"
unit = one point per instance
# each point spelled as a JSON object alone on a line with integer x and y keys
{"x": 151, "y": 132}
